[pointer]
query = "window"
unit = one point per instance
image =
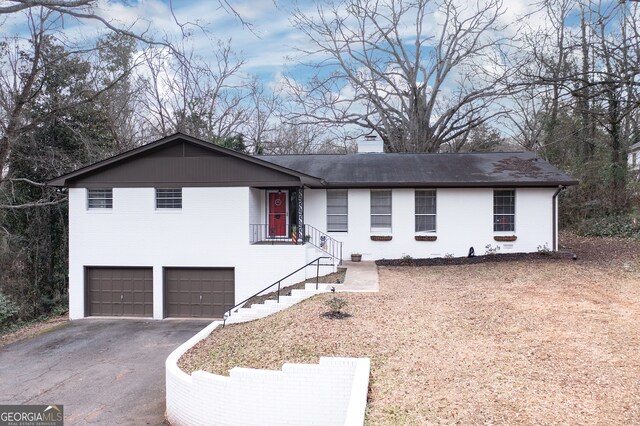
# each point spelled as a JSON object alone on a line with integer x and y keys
{"x": 426, "y": 211}
{"x": 100, "y": 198}
{"x": 169, "y": 198}
{"x": 337, "y": 210}
{"x": 504, "y": 210}
{"x": 381, "y": 210}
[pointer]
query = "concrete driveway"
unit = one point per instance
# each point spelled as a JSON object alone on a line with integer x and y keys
{"x": 103, "y": 371}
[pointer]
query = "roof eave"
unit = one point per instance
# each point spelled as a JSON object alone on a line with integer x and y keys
{"x": 536, "y": 184}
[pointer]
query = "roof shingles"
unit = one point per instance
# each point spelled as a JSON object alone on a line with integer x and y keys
{"x": 410, "y": 170}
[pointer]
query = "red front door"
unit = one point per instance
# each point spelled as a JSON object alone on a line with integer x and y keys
{"x": 277, "y": 214}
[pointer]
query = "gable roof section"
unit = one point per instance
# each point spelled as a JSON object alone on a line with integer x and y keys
{"x": 371, "y": 170}
{"x": 181, "y": 160}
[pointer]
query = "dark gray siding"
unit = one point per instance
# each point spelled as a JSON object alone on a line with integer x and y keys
{"x": 183, "y": 164}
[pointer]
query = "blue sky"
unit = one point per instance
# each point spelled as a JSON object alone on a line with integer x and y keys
{"x": 264, "y": 47}
{"x": 268, "y": 48}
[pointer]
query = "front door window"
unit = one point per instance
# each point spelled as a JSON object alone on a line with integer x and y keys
{"x": 277, "y": 226}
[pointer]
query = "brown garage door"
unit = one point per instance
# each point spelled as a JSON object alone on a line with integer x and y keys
{"x": 113, "y": 291}
{"x": 198, "y": 292}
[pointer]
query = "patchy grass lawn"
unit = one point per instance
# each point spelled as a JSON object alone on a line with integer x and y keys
{"x": 542, "y": 341}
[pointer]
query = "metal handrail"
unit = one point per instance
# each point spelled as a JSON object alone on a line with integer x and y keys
{"x": 262, "y": 233}
{"x": 324, "y": 242}
{"x": 316, "y": 261}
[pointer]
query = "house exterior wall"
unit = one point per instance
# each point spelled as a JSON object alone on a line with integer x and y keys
{"x": 211, "y": 230}
{"x": 256, "y": 206}
{"x": 464, "y": 219}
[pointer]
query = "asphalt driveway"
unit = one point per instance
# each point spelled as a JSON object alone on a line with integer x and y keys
{"x": 103, "y": 371}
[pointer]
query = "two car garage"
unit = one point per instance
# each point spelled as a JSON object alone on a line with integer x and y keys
{"x": 187, "y": 292}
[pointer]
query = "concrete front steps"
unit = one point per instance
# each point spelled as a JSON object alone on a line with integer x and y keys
{"x": 261, "y": 310}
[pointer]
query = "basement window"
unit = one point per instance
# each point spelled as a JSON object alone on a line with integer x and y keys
{"x": 99, "y": 198}
{"x": 425, "y": 210}
{"x": 504, "y": 210}
{"x": 381, "y": 210}
{"x": 337, "y": 210}
{"x": 170, "y": 198}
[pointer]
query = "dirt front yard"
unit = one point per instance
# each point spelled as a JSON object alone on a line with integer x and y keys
{"x": 540, "y": 341}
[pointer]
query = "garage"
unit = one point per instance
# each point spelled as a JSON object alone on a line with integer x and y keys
{"x": 119, "y": 291}
{"x": 198, "y": 292}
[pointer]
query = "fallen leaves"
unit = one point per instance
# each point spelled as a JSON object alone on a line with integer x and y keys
{"x": 519, "y": 342}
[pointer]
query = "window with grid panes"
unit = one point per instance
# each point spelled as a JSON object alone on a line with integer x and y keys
{"x": 337, "y": 210}
{"x": 100, "y": 198}
{"x": 381, "y": 210}
{"x": 504, "y": 210}
{"x": 168, "y": 198}
{"x": 425, "y": 210}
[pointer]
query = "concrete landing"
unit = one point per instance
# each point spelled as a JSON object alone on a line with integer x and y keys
{"x": 360, "y": 277}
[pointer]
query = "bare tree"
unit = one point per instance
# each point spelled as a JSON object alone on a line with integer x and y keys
{"x": 293, "y": 138}
{"x": 382, "y": 69}
{"x": 193, "y": 97}
{"x": 24, "y": 69}
{"x": 265, "y": 115}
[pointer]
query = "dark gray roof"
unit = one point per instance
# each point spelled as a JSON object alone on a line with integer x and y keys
{"x": 367, "y": 170}
{"x": 426, "y": 170}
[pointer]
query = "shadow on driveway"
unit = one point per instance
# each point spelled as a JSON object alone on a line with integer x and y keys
{"x": 103, "y": 371}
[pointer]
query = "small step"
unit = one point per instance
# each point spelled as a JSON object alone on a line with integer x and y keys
{"x": 304, "y": 293}
{"x": 250, "y": 317}
{"x": 262, "y": 309}
{"x": 291, "y": 300}
{"x": 234, "y": 319}
{"x": 321, "y": 286}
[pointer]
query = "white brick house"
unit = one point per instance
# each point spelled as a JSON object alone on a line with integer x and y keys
{"x": 182, "y": 227}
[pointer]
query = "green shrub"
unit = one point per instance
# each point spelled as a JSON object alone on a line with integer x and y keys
{"x": 610, "y": 226}
{"x": 544, "y": 250}
{"x": 336, "y": 304}
{"x": 407, "y": 260}
{"x": 8, "y": 310}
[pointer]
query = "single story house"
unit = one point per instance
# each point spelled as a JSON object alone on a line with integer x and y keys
{"x": 184, "y": 228}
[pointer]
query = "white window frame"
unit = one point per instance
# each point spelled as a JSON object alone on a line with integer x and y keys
{"x": 345, "y": 214}
{"x": 435, "y": 214}
{"x": 494, "y": 216}
{"x": 390, "y": 214}
{"x": 167, "y": 208}
{"x": 108, "y": 199}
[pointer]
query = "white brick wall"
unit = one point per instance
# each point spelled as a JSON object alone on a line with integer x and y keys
{"x": 464, "y": 219}
{"x": 333, "y": 392}
{"x": 211, "y": 230}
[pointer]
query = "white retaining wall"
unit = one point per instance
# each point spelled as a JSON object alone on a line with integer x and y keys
{"x": 464, "y": 218}
{"x": 333, "y": 392}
